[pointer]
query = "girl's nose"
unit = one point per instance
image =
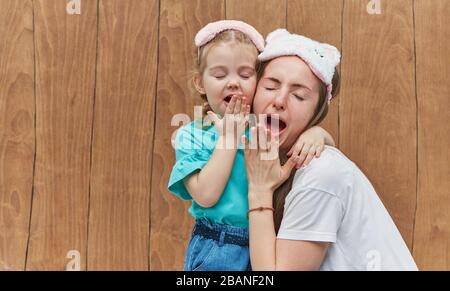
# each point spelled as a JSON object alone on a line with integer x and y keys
{"x": 233, "y": 85}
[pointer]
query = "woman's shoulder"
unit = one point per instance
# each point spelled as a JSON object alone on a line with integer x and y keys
{"x": 332, "y": 172}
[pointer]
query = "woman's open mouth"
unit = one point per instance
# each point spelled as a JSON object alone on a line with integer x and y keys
{"x": 275, "y": 124}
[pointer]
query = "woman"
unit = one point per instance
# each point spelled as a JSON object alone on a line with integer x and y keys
{"x": 328, "y": 216}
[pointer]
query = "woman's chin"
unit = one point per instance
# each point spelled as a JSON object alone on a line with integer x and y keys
{"x": 282, "y": 137}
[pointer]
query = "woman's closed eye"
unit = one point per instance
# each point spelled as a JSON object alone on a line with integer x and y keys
{"x": 301, "y": 98}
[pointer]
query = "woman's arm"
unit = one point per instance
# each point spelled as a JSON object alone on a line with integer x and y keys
{"x": 266, "y": 252}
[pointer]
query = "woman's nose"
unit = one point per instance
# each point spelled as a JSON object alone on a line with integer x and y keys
{"x": 280, "y": 101}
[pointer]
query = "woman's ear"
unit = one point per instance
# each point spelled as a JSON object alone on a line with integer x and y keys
{"x": 198, "y": 83}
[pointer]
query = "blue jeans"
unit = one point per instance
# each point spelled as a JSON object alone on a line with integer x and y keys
{"x": 217, "y": 247}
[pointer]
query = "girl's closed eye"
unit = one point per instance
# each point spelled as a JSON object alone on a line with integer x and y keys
{"x": 218, "y": 73}
{"x": 219, "y": 77}
{"x": 247, "y": 73}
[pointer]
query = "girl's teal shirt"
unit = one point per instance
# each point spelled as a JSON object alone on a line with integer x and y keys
{"x": 194, "y": 146}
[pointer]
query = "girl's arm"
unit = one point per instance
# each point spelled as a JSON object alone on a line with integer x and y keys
{"x": 309, "y": 144}
{"x": 207, "y": 186}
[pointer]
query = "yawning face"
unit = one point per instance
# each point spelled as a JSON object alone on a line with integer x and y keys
{"x": 230, "y": 70}
{"x": 275, "y": 124}
{"x": 287, "y": 93}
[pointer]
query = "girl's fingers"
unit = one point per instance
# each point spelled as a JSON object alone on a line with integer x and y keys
{"x": 319, "y": 150}
{"x": 245, "y": 144}
{"x": 295, "y": 152}
{"x": 303, "y": 154}
{"x": 243, "y": 112}
{"x": 213, "y": 117}
{"x": 296, "y": 149}
{"x": 231, "y": 105}
{"x": 286, "y": 169}
{"x": 243, "y": 105}
{"x": 310, "y": 156}
{"x": 237, "y": 107}
{"x": 247, "y": 114}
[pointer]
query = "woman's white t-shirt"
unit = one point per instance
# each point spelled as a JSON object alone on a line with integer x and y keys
{"x": 332, "y": 201}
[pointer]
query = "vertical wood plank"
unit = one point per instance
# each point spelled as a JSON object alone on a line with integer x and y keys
{"x": 432, "y": 229}
{"x": 320, "y": 20}
{"x": 378, "y": 105}
{"x": 264, "y": 15}
{"x": 17, "y": 132}
{"x": 123, "y": 131}
{"x": 170, "y": 222}
{"x": 65, "y": 65}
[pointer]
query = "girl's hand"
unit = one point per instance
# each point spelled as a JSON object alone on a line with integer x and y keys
{"x": 232, "y": 125}
{"x": 309, "y": 145}
{"x": 264, "y": 171}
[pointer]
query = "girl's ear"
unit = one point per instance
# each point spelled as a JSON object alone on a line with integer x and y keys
{"x": 198, "y": 83}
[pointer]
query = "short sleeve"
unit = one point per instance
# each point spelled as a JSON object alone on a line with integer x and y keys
{"x": 311, "y": 215}
{"x": 191, "y": 156}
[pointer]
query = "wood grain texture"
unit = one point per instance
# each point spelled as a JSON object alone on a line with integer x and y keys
{"x": 320, "y": 20}
{"x": 17, "y": 132}
{"x": 432, "y": 228}
{"x": 86, "y": 103}
{"x": 264, "y": 15}
{"x": 171, "y": 224}
{"x": 123, "y": 130}
{"x": 65, "y": 66}
{"x": 378, "y": 105}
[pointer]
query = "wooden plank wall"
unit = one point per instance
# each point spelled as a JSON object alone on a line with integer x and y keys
{"x": 432, "y": 227}
{"x": 86, "y": 104}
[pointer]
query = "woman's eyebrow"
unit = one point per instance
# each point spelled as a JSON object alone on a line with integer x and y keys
{"x": 300, "y": 86}
{"x": 273, "y": 80}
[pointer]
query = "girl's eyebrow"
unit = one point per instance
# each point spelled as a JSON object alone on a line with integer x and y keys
{"x": 218, "y": 67}
{"x": 246, "y": 67}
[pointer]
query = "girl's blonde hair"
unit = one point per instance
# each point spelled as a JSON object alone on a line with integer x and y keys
{"x": 229, "y": 37}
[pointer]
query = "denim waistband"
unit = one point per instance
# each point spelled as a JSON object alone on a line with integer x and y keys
{"x": 222, "y": 233}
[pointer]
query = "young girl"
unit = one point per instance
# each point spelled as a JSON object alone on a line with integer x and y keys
{"x": 210, "y": 167}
